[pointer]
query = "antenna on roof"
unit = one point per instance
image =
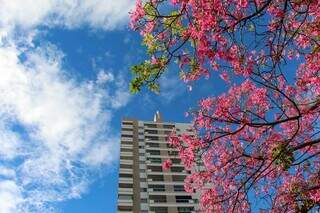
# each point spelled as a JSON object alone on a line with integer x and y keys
{"x": 157, "y": 117}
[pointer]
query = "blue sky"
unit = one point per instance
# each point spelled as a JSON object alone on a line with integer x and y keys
{"x": 65, "y": 70}
{"x": 64, "y": 90}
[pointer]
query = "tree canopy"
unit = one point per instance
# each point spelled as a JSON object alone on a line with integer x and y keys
{"x": 258, "y": 144}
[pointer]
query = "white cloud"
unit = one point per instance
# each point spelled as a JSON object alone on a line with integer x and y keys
{"x": 100, "y": 153}
{"x": 54, "y": 129}
{"x": 10, "y": 196}
{"x": 7, "y": 172}
{"x": 103, "y": 14}
{"x": 122, "y": 95}
{"x": 104, "y": 77}
{"x": 171, "y": 87}
{"x": 64, "y": 129}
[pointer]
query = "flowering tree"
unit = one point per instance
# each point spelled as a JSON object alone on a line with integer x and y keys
{"x": 258, "y": 144}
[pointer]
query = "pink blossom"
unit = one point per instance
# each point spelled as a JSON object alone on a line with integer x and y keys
{"x": 166, "y": 165}
{"x": 225, "y": 77}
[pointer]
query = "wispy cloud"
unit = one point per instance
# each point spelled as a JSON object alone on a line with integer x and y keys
{"x": 63, "y": 130}
{"x": 171, "y": 87}
{"x": 54, "y": 129}
{"x": 101, "y": 14}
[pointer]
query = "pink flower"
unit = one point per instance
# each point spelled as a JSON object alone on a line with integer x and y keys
{"x": 225, "y": 77}
{"x": 174, "y": 2}
{"x": 136, "y": 14}
{"x": 166, "y": 165}
{"x": 243, "y": 3}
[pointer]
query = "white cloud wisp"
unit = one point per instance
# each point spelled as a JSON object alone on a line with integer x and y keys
{"x": 53, "y": 130}
{"x": 99, "y": 14}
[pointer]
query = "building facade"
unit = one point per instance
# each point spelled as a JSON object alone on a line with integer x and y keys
{"x": 143, "y": 186}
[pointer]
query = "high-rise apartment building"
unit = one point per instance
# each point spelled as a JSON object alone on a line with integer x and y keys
{"x": 143, "y": 186}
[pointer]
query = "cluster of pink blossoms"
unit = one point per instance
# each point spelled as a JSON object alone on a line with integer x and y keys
{"x": 259, "y": 142}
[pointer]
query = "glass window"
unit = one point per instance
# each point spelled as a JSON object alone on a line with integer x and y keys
{"x": 126, "y": 150}
{"x": 183, "y": 199}
{"x": 178, "y": 178}
{"x": 155, "y": 160}
{"x": 159, "y": 209}
{"x": 125, "y": 166}
{"x": 126, "y": 158}
{"x": 155, "y": 168}
{"x": 126, "y": 175}
{"x": 124, "y": 197}
{"x": 178, "y": 188}
{"x": 176, "y": 169}
{"x": 185, "y": 209}
{"x": 157, "y": 188}
{"x": 149, "y": 131}
{"x": 125, "y": 185}
{"x": 168, "y": 126}
{"x": 125, "y": 208}
{"x": 154, "y": 152}
{"x": 150, "y": 125}
{"x": 158, "y": 198}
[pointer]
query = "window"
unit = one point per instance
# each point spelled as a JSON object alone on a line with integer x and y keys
{"x": 159, "y": 209}
{"x": 150, "y": 125}
{"x": 153, "y": 144}
{"x": 157, "y": 188}
{"x": 126, "y": 175}
{"x": 125, "y": 208}
{"x": 167, "y": 132}
{"x": 125, "y": 197}
{"x": 178, "y": 188}
{"x": 154, "y": 152}
{"x": 178, "y": 178}
{"x": 185, "y": 209}
{"x": 183, "y": 199}
{"x": 125, "y": 185}
{"x": 176, "y": 169}
{"x": 173, "y": 153}
{"x": 155, "y": 168}
{"x": 153, "y": 138}
{"x": 144, "y": 189}
{"x": 126, "y": 136}
{"x": 126, "y": 142}
{"x": 151, "y": 131}
{"x": 126, "y": 129}
{"x": 168, "y": 126}
{"x": 144, "y": 200}
{"x": 125, "y": 157}
{"x": 176, "y": 161}
{"x": 126, "y": 150}
{"x": 158, "y": 198}
{"x": 169, "y": 145}
{"x": 125, "y": 166}
{"x": 154, "y": 160}
{"x": 156, "y": 177}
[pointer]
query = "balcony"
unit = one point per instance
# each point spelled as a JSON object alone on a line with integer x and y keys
{"x": 125, "y": 180}
{"x": 125, "y": 190}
